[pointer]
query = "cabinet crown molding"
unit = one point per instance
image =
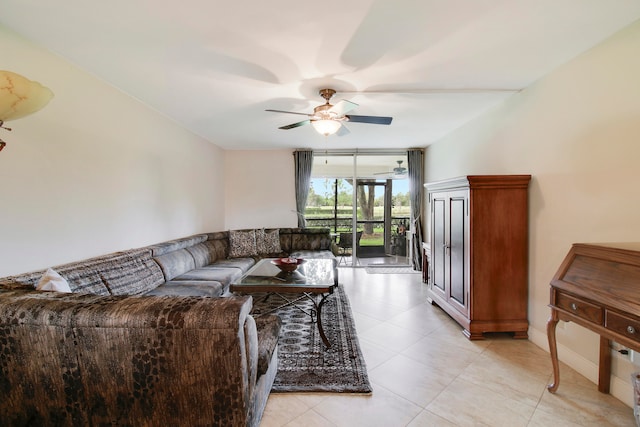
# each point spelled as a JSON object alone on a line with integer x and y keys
{"x": 481, "y": 181}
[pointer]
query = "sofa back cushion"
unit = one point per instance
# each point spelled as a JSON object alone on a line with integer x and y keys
{"x": 133, "y": 273}
{"x": 25, "y": 280}
{"x": 200, "y": 254}
{"x": 218, "y": 244}
{"x": 174, "y": 245}
{"x": 81, "y": 280}
{"x": 296, "y": 239}
{"x": 175, "y": 263}
{"x": 130, "y": 272}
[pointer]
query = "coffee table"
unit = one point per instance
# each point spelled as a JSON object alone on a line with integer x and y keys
{"x": 314, "y": 279}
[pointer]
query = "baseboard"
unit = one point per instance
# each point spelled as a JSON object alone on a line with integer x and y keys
{"x": 620, "y": 388}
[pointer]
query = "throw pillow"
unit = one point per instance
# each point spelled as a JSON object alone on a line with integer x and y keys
{"x": 268, "y": 242}
{"x": 52, "y": 281}
{"x": 242, "y": 244}
{"x": 272, "y": 242}
{"x": 260, "y": 244}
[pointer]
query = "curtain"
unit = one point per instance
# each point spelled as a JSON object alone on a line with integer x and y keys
{"x": 415, "y": 168}
{"x": 303, "y": 164}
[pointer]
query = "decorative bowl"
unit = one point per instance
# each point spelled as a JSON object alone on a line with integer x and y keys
{"x": 287, "y": 265}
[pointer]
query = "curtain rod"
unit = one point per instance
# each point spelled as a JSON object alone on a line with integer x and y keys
{"x": 347, "y": 152}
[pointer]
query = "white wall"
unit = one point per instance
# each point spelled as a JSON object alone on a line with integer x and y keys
{"x": 260, "y": 189}
{"x": 96, "y": 171}
{"x": 577, "y": 132}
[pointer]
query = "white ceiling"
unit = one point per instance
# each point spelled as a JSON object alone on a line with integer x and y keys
{"x": 215, "y": 66}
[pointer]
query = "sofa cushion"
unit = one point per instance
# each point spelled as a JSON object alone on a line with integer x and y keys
{"x": 200, "y": 254}
{"x": 132, "y": 273}
{"x": 127, "y": 272}
{"x": 196, "y": 288}
{"x": 285, "y": 239}
{"x": 84, "y": 281}
{"x": 310, "y": 239}
{"x": 220, "y": 274}
{"x": 268, "y": 327}
{"x": 22, "y": 281}
{"x": 176, "y": 244}
{"x": 243, "y": 264}
{"x": 220, "y": 241}
{"x": 175, "y": 263}
{"x": 242, "y": 243}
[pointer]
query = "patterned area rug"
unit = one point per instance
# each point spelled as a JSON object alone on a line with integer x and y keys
{"x": 305, "y": 364}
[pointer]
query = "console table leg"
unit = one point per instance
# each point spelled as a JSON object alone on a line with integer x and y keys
{"x": 604, "y": 369}
{"x": 553, "y": 350}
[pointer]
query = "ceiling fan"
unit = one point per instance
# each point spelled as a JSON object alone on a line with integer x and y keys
{"x": 328, "y": 119}
{"x": 399, "y": 172}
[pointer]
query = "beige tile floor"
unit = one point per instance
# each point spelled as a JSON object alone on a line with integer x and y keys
{"x": 424, "y": 372}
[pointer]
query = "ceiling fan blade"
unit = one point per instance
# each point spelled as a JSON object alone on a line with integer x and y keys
{"x": 428, "y": 91}
{"x": 342, "y": 107}
{"x": 343, "y": 130}
{"x": 295, "y": 125}
{"x": 377, "y": 120}
{"x": 289, "y": 112}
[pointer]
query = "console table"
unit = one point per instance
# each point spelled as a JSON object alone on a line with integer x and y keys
{"x": 598, "y": 287}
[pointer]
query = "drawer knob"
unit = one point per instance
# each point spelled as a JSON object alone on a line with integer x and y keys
{"x": 631, "y": 329}
{"x": 574, "y": 307}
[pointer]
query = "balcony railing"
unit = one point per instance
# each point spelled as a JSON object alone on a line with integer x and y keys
{"x": 342, "y": 224}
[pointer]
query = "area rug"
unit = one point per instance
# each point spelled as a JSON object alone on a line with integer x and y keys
{"x": 391, "y": 270}
{"x": 305, "y": 364}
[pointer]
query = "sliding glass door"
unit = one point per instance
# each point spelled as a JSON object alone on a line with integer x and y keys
{"x": 366, "y": 195}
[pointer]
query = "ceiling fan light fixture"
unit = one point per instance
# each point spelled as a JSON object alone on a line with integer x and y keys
{"x": 399, "y": 175}
{"x": 326, "y": 127}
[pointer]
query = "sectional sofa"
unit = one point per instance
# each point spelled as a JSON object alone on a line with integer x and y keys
{"x": 147, "y": 336}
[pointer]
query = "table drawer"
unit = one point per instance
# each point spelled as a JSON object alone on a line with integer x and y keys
{"x": 624, "y": 325}
{"x": 581, "y": 308}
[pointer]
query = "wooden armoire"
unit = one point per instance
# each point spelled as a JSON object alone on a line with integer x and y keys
{"x": 479, "y": 252}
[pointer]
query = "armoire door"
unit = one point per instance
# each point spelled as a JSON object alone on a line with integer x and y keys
{"x": 457, "y": 241}
{"x": 439, "y": 249}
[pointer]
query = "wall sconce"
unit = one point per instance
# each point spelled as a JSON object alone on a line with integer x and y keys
{"x": 20, "y": 97}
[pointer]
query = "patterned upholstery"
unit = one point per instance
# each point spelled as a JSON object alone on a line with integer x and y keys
{"x": 112, "y": 360}
{"x": 120, "y": 349}
{"x": 268, "y": 242}
{"x": 129, "y": 272}
{"x": 218, "y": 244}
{"x": 267, "y": 331}
{"x": 310, "y": 239}
{"x": 242, "y": 243}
